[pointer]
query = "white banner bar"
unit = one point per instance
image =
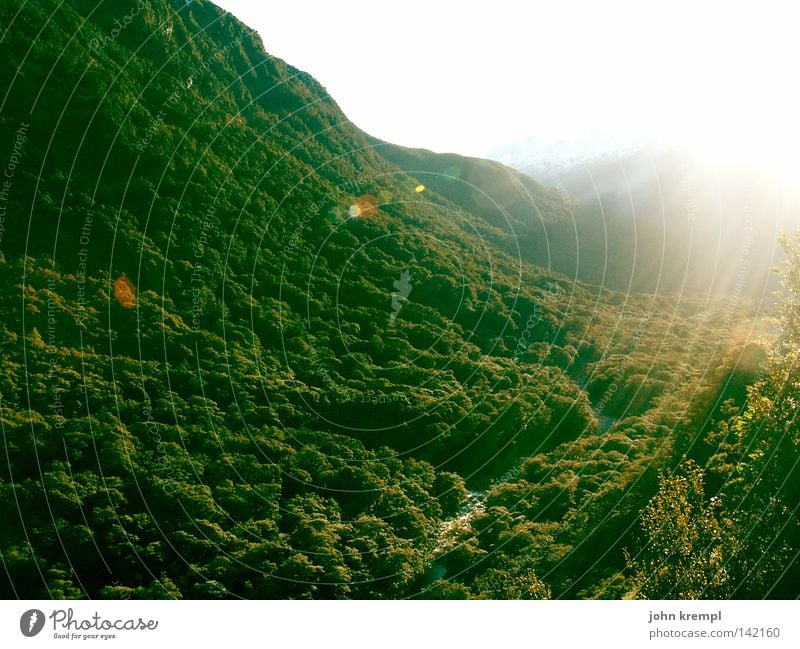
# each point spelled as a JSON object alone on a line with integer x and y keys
{"x": 385, "y": 625}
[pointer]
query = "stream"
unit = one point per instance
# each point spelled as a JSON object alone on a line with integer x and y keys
{"x": 475, "y": 504}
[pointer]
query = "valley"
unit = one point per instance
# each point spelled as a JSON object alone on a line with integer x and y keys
{"x": 250, "y": 351}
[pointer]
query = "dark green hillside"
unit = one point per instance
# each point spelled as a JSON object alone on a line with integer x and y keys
{"x": 534, "y": 222}
{"x": 658, "y": 221}
{"x": 244, "y": 357}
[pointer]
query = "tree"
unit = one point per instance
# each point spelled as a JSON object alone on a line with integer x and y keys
{"x": 762, "y": 455}
{"x": 686, "y": 542}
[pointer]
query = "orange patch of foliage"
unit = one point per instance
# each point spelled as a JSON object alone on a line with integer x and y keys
{"x": 125, "y": 292}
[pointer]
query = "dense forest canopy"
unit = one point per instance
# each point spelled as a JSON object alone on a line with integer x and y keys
{"x": 250, "y": 351}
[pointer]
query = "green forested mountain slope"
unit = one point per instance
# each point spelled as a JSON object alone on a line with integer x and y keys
{"x": 534, "y": 223}
{"x": 244, "y": 357}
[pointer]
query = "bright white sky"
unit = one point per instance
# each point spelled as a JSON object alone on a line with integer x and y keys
{"x": 471, "y": 76}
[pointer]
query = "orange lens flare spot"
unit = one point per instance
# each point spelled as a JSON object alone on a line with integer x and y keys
{"x": 125, "y": 292}
{"x": 366, "y": 205}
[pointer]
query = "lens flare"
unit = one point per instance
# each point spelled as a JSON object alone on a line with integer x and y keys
{"x": 125, "y": 292}
{"x": 366, "y": 205}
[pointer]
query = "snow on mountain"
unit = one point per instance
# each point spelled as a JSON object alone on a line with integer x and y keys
{"x": 543, "y": 157}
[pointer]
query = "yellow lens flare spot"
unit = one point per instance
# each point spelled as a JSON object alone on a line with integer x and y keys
{"x": 125, "y": 292}
{"x": 419, "y": 188}
{"x": 366, "y": 205}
